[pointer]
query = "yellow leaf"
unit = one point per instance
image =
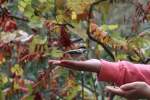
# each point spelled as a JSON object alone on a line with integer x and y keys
{"x": 21, "y": 8}
{"x": 60, "y": 19}
{"x": 3, "y": 79}
{"x": 17, "y": 70}
{"x": 37, "y": 40}
{"x": 109, "y": 27}
{"x": 106, "y": 39}
{"x": 15, "y": 86}
{"x": 74, "y": 16}
{"x": 4, "y": 60}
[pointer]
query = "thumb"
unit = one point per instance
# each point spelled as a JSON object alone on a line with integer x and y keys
{"x": 128, "y": 86}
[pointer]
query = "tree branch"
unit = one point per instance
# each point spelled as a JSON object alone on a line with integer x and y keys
{"x": 88, "y": 32}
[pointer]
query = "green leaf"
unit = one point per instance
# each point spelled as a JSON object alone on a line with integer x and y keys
{"x": 30, "y": 98}
{"x": 23, "y": 4}
{"x": 29, "y": 11}
{"x": 42, "y": 1}
{"x": 21, "y": 8}
{"x": 1, "y": 95}
{"x": 121, "y": 56}
{"x": 3, "y": 79}
{"x": 30, "y": 88}
{"x": 56, "y": 53}
{"x": 104, "y": 8}
{"x": 110, "y": 27}
{"x": 35, "y": 22}
{"x": 37, "y": 40}
{"x": 80, "y": 31}
{"x": 27, "y": 1}
{"x": 16, "y": 86}
{"x": 73, "y": 92}
{"x": 28, "y": 14}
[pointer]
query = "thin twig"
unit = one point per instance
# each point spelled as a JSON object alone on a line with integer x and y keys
{"x": 18, "y": 18}
{"x": 82, "y": 81}
{"x": 46, "y": 75}
{"x": 66, "y": 24}
{"x": 94, "y": 87}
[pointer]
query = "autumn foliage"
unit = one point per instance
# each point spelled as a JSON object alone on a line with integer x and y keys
{"x": 33, "y": 31}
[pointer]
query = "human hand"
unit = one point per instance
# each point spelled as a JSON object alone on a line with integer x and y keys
{"x": 92, "y": 65}
{"x": 135, "y": 90}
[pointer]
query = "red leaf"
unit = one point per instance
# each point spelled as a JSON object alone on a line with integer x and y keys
{"x": 38, "y": 96}
{"x": 64, "y": 38}
{"x": 10, "y": 25}
{"x": 2, "y": 1}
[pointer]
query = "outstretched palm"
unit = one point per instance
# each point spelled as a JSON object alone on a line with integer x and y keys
{"x": 92, "y": 65}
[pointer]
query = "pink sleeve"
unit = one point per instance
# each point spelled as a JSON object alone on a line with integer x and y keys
{"x": 123, "y": 72}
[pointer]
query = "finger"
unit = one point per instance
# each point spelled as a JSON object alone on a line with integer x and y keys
{"x": 118, "y": 91}
{"x": 128, "y": 86}
{"x": 54, "y": 62}
{"x": 67, "y": 63}
{"x": 78, "y": 65}
{"x": 88, "y": 65}
{"x": 115, "y": 90}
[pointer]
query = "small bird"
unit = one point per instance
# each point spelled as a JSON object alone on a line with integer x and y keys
{"x": 76, "y": 51}
{"x": 24, "y": 37}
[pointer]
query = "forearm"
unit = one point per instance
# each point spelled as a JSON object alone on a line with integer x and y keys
{"x": 116, "y": 72}
{"x": 123, "y": 72}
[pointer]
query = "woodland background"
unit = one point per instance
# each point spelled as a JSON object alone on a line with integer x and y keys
{"x": 33, "y": 31}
